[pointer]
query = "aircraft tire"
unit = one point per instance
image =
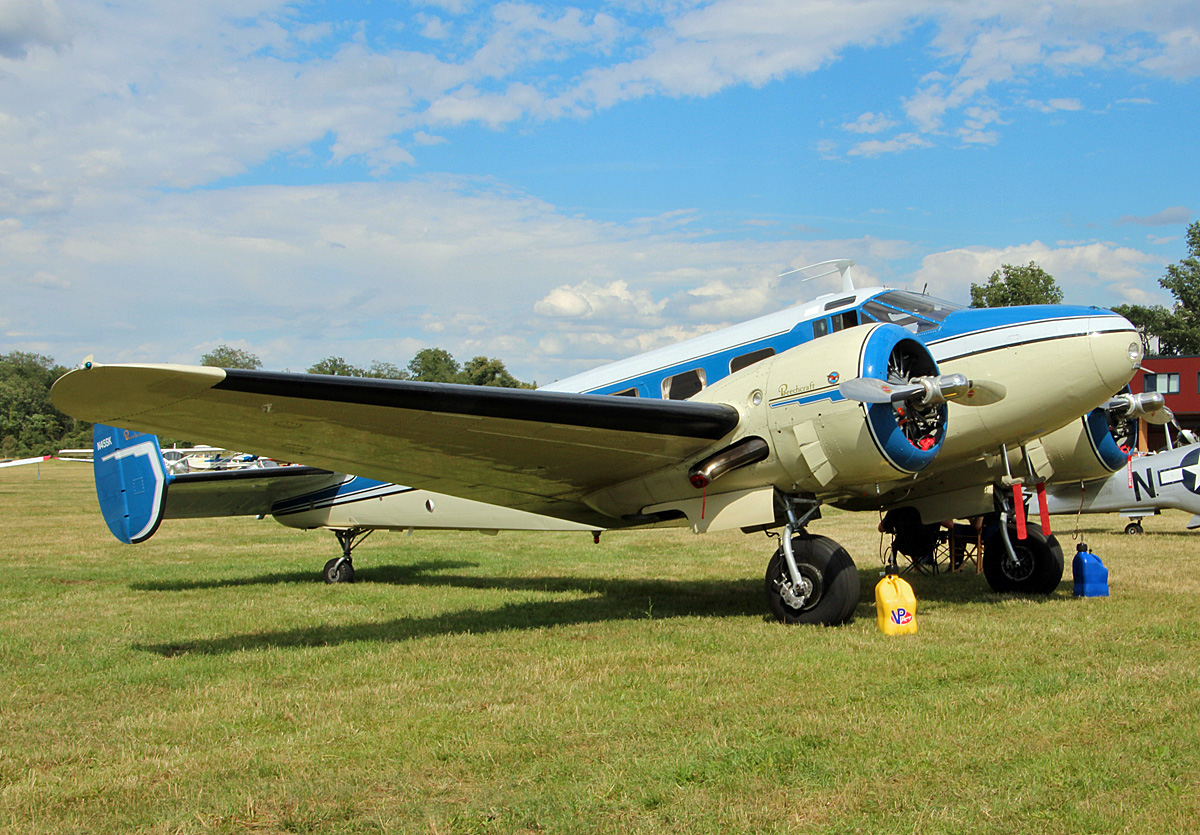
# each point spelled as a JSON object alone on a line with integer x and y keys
{"x": 1133, "y": 528}
{"x": 338, "y": 570}
{"x": 829, "y": 568}
{"x": 1039, "y": 566}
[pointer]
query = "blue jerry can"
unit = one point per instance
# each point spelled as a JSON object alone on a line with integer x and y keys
{"x": 1091, "y": 577}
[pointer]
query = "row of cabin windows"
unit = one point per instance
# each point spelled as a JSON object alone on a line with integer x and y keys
{"x": 687, "y": 383}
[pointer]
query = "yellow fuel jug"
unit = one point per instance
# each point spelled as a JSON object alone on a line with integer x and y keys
{"x": 895, "y": 606}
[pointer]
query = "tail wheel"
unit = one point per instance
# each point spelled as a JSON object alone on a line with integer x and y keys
{"x": 829, "y": 587}
{"x": 338, "y": 570}
{"x": 1036, "y": 569}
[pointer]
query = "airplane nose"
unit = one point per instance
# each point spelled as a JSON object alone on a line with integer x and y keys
{"x": 1116, "y": 349}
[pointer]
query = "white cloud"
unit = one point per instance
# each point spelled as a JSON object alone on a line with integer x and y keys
{"x": 612, "y": 301}
{"x": 875, "y": 147}
{"x": 1167, "y": 217}
{"x": 1086, "y": 273}
{"x": 870, "y": 123}
{"x": 25, "y": 24}
{"x": 1054, "y": 105}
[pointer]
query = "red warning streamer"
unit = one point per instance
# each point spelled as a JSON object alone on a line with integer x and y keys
{"x": 1019, "y": 509}
{"x": 1043, "y": 508}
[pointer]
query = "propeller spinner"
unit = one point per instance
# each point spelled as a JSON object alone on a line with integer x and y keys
{"x": 1149, "y": 405}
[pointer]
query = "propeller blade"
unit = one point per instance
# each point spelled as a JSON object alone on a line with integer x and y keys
{"x": 871, "y": 390}
{"x": 1162, "y": 417}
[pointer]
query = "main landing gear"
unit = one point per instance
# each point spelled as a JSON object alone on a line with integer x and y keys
{"x": 341, "y": 569}
{"x": 810, "y": 579}
{"x": 1033, "y": 565}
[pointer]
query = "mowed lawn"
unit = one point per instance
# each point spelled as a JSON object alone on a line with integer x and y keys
{"x": 207, "y": 681}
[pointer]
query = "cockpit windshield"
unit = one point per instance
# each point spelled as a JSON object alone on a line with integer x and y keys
{"x": 909, "y": 310}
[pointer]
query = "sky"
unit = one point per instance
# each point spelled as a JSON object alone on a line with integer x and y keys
{"x": 563, "y": 184}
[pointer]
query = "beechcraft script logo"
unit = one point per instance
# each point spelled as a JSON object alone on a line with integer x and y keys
{"x": 901, "y": 616}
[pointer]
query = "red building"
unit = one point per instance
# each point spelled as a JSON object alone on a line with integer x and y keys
{"x": 1178, "y": 379}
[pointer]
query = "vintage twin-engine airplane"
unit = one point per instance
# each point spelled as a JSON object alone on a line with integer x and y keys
{"x": 867, "y": 399}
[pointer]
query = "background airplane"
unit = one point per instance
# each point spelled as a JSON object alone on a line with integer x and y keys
{"x": 1145, "y": 486}
{"x": 782, "y": 414}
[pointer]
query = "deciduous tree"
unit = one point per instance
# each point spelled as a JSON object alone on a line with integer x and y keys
{"x": 1012, "y": 285}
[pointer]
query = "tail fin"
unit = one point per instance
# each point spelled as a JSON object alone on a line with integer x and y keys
{"x": 131, "y": 481}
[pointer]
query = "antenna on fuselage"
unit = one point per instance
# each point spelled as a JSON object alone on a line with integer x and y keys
{"x": 828, "y": 268}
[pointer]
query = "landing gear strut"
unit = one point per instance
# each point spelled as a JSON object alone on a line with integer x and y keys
{"x": 810, "y": 579}
{"x": 341, "y": 569}
{"x": 1033, "y": 565}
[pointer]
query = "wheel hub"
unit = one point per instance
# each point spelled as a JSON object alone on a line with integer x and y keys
{"x": 1021, "y": 568}
{"x": 794, "y": 596}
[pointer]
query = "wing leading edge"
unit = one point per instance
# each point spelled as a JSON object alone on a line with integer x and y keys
{"x": 537, "y": 451}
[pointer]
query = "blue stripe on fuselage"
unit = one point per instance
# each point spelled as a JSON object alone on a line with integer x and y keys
{"x": 965, "y": 322}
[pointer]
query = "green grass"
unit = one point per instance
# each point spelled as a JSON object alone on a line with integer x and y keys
{"x": 206, "y": 681}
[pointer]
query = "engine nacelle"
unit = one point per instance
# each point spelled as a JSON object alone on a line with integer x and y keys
{"x": 1086, "y": 448}
{"x": 816, "y": 440}
{"x": 823, "y": 440}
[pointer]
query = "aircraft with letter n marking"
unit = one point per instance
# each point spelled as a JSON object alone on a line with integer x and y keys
{"x": 866, "y": 399}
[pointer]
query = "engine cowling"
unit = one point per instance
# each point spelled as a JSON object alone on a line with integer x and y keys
{"x": 823, "y": 440}
{"x": 1087, "y": 448}
{"x": 816, "y": 440}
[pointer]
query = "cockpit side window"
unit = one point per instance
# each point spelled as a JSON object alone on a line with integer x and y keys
{"x": 881, "y": 313}
{"x": 925, "y": 312}
{"x": 841, "y": 321}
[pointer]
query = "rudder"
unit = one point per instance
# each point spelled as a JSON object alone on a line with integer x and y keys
{"x": 131, "y": 481}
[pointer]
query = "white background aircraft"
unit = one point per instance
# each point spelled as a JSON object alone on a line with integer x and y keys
{"x": 869, "y": 399}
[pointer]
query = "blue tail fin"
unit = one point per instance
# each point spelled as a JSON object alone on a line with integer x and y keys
{"x": 131, "y": 481}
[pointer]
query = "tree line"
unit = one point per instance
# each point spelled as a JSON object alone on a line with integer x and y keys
{"x": 430, "y": 365}
{"x": 30, "y": 425}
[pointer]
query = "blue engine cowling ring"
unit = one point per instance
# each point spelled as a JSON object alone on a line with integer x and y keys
{"x": 882, "y": 418}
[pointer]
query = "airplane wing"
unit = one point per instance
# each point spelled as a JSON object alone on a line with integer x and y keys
{"x": 22, "y": 461}
{"x": 537, "y": 451}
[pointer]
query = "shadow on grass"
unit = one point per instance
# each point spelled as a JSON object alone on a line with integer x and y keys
{"x": 608, "y": 600}
{"x": 400, "y": 575}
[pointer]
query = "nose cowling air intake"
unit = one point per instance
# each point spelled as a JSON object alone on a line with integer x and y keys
{"x": 909, "y": 426}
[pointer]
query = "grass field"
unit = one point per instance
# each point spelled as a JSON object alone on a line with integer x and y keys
{"x": 206, "y": 681}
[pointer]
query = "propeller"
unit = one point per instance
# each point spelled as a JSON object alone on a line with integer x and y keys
{"x": 1149, "y": 405}
{"x": 927, "y": 391}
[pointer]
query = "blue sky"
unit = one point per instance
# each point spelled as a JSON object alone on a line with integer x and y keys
{"x": 563, "y": 184}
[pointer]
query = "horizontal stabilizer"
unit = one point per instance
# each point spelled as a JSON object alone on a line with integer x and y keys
{"x": 250, "y": 492}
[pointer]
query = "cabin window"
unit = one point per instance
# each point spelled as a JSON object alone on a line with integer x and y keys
{"x": 746, "y": 360}
{"x": 820, "y": 328}
{"x": 633, "y": 392}
{"x": 682, "y": 386}
{"x": 1163, "y": 383}
{"x": 841, "y": 321}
